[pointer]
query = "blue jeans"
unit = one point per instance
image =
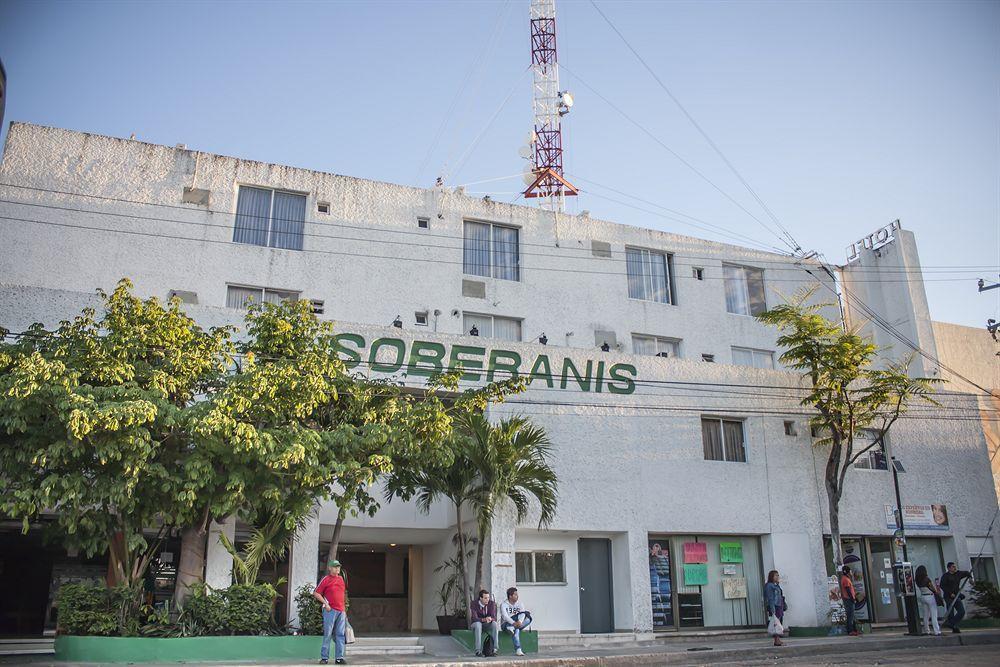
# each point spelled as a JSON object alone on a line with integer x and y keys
{"x": 335, "y": 624}
{"x": 849, "y": 610}
{"x": 956, "y": 615}
{"x": 515, "y": 631}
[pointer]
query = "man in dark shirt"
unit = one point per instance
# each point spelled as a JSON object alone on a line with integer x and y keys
{"x": 484, "y": 617}
{"x": 951, "y": 584}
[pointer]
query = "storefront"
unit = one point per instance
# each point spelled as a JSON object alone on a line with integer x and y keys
{"x": 870, "y": 560}
{"x": 709, "y": 581}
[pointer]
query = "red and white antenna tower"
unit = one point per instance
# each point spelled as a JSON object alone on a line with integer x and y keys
{"x": 550, "y": 104}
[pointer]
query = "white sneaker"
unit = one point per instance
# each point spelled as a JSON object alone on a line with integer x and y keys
{"x": 518, "y": 652}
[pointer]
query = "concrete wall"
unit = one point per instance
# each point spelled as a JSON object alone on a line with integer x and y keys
{"x": 366, "y": 259}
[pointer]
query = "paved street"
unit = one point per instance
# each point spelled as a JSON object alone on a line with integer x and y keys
{"x": 971, "y": 656}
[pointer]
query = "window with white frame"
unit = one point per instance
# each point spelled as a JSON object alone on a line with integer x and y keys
{"x": 656, "y": 346}
{"x": 874, "y": 458}
{"x": 540, "y": 567}
{"x": 491, "y": 250}
{"x": 241, "y": 296}
{"x": 746, "y": 356}
{"x": 270, "y": 218}
{"x": 492, "y": 326}
{"x": 649, "y": 275}
{"x": 744, "y": 289}
{"x": 723, "y": 439}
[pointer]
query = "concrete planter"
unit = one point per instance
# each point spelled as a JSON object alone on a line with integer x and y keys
{"x": 186, "y": 649}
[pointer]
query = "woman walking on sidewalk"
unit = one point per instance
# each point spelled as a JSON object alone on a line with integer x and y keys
{"x": 929, "y": 596}
{"x": 774, "y": 598}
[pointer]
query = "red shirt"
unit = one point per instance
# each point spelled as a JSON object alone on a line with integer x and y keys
{"x": 333, "y": 589}
{"x": 847, "y": 588}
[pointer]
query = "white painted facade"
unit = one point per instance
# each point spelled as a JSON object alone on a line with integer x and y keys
{"x": 631, "y": 466}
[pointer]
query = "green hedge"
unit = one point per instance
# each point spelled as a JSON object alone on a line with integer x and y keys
{"x": 89, "y": 610}
{"x": 310, "y": 611}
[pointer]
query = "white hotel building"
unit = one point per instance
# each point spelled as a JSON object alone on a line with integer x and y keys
{"x": 685, "y": 430}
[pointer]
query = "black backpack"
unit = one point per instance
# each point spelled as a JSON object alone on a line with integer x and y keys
{"x": 489, "y": 650}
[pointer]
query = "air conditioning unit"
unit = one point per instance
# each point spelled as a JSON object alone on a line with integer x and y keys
{"x": 184, "y": 295}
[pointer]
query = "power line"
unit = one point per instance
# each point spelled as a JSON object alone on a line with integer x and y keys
{"x": 788, "y": 237}
{"x": 404, "y": 258}
{"x": 677, "y": 156}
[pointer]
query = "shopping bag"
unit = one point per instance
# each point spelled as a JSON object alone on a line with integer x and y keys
{"x": 774, "y": 627}
{"x": 349, "y": 634}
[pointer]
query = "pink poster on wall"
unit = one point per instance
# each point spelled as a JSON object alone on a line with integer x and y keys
{"x": 695, "y": 552}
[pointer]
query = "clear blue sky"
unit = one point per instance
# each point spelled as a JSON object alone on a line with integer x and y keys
{"x": 843, "y": 116}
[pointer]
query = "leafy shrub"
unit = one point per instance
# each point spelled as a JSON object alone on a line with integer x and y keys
{"x": 986, "y": 595}
{"x": 310, "y": 611}
{"x": 86, "y": 609}
{"x": 248, "y": 608}
{"x": 205, "y": 611}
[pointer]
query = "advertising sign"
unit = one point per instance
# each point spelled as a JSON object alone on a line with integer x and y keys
{"x": 660, "y": 584}
{"x": 730, "y": 552}
{"x": 734, "y": 588}
{"x": 919, "y": 517}
{"x": 695, "y": 574}
{"x": 852, "y": 559}
{"x": 696, "y": 552}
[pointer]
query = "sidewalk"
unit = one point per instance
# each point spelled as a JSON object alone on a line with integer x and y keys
{"x": 445, "y": 652}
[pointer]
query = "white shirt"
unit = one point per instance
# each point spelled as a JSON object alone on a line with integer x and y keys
{"x": 508, "y": 610}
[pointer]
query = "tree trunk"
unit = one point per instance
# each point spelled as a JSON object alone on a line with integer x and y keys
{"x": 117, "y": 566}
{"x": 833, "y": 499}
{"x": 466, "y": 598}
{"x": 331, "y": 554}
{"x": 480, "y": 551}
{"x": 191, "y": 565}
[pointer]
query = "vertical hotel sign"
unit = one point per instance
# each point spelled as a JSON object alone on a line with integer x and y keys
{"x": 873, "y": 241}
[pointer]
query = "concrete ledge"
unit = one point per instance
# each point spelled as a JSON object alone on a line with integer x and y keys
{"x": 529, "y": 641}
{"x": 185, "y": 649}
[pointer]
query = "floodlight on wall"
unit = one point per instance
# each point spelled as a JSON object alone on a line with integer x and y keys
{"x": 474, "y": 331}
{"x": 605, "y": 347}
{"x": 543, "y": 339}
{"x": 398, "y": 322}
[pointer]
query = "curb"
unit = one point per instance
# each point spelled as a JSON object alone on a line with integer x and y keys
{"x": 714, "y": 655}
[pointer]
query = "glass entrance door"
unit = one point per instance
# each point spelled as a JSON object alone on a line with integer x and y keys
{"x": 883, "y": 594}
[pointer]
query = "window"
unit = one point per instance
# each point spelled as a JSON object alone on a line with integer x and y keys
{"x": 745, "y": 356}
{"x": 490, "y": 326}
{"x": 744, "y": 290}
{"x": 539, "y": 567}
{"x": 424, "y": 223}
{"x": 238, "y": 296}
{"x": 270, "y": 218}
{"x": 699, "y": 273}
{"x": 710, "y": 358}
{"x": 655, "y": 346}
{"x": 874, "y": 458}
{"x": 790, "y": 428}
{"x": 983, "y": 569}
{"x": 420, "y": 318}
{"x": 723, "y": 440}
{"x": 323, "y": 207}
{"x": 492, "y": 251}
{"x": 648, "y": 275}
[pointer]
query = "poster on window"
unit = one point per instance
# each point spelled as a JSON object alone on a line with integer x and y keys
{"x": 695, "y": 552}
{"x": 919, "y": 517}
{"x": 852, "y": 559}
{"x": 659, "y": 583}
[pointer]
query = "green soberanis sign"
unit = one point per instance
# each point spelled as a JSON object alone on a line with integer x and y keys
{"x": 425, "y": 358}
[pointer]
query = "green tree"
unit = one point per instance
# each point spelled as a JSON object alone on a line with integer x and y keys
{"x": 255, "y": 451}
{"x": 511, "y": 462}
{"x": 93, "y": 423}
{"x": 848, "y": 392}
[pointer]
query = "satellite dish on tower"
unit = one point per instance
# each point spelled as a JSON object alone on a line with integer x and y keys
{"x": 525, "y": 152}
{"x": 529, "y": 175}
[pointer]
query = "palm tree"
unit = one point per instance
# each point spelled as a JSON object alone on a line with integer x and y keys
{"x": 511, "y": 462}
{"x": 459, "y": 483}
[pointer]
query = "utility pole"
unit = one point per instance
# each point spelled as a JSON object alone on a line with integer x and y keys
{"x": 909, "y": 601}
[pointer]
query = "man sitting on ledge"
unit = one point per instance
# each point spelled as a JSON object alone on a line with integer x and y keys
{"x": 484, "y": 617}
{"x": 514, "y": 618}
